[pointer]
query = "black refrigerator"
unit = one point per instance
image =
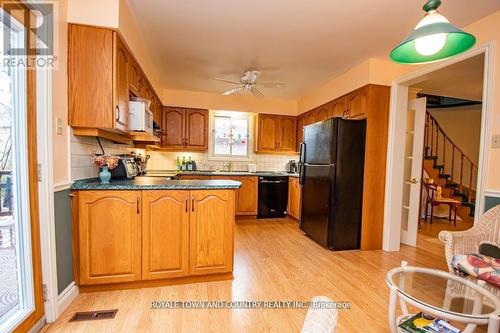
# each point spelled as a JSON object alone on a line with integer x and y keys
{"x": 331, "y": 169}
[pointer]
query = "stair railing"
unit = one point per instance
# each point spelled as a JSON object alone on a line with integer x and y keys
{"x": 436, "y": 142}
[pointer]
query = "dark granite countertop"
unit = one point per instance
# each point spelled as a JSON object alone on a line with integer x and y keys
{"x": 155, "y": 183}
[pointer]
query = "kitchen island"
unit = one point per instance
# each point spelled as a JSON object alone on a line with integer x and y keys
{"x": 152, "y": 231}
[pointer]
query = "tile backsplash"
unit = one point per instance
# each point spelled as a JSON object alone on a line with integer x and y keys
{"x": 84, "y": 148}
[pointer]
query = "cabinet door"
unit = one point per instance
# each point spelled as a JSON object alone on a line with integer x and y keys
{"x": 134, "y": 73}
{"x": 294, "y": 197}
{"x": 247, "y": 195}
{"x": 300, "y": 130}
{"x": 110, "y": 236}
{"x": 197, "y": 129}
{"x": 165, "y": 234}
{"x": 267, "y": 133}
{"x": 173, "y": 126}
{"x": 309, "y": 117}
{"x": 321, "y": 113}
{"x": 121, "y": 84}
{"x": 339, "y": 107}
{"x": 288, "y": 134}
{"x": 357, "y": 103}
{"x": 211, "y": 231}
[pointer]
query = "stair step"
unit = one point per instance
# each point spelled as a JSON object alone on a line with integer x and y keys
{"x": 451, "y": 185}
{"x": 431, "y": 157}
{"x": 444, "y": 175}
{"x": 438, "y": 166}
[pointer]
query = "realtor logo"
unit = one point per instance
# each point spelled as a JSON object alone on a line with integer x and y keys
{"x": 28, "y": 33}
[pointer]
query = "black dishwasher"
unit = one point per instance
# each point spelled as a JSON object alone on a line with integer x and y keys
{"x": 273, "y": 196}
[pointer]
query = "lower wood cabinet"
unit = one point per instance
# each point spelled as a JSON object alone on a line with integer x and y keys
{"x": 211, "y": 231}
{"x": 246, "y": 197}
{"x": 294, "y": 197}
{"x": 126, "y": 236}
{"x": 165, "y": 234}
{"x": 109, "y": 236}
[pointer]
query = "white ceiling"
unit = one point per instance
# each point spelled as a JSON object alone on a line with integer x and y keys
{"x": 461, "y": 80}
{"x": 303, "y": 43}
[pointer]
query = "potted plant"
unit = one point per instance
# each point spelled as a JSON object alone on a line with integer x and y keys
{"x": 106, "y": 163}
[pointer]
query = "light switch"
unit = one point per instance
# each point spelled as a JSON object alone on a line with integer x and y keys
{"x": 59, "y": 126}
{"x": 495, "y": 141}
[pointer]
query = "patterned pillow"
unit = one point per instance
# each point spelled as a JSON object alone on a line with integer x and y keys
{"x": 479, "y": 266}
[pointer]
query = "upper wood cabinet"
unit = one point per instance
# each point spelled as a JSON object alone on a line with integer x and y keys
{"x": 102, "y": 76}
{"x": 276, "y": 134}
{"x": 211, "y": 231}
{"x": 165, "y": 234}
{"x": 184, "y": 129}
{"x": 109, "y": 236}
{"x": 321, "y": 113}
{"x": 338, "y": 107}
{"x": 356, "y": 103}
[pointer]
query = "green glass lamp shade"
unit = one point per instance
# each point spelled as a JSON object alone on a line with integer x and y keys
{"x": 457, "y": 41}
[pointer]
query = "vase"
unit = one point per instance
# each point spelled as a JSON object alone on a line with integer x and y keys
{"x": 104, "y": 175}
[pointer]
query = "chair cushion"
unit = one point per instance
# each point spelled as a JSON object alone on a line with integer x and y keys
{"x": 489, "y": 249}
{"x": 479, "y": 266}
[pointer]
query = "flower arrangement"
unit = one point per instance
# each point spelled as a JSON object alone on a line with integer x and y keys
{"x": 109, "y": 161}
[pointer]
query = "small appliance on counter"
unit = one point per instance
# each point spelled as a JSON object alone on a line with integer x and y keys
{"x": 126, "y": 169}
{"x": 141, "y": 162}
{"x": 292, "y": 166}
{"x": 140, "y": 117}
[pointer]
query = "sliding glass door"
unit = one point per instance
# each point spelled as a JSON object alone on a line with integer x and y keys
{"x": 20, "y": 284}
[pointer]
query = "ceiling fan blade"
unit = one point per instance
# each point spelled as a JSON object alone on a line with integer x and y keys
{"x": 227, "y": 81}
{"x": 232, "y": 91}
{"x": 271, "y": 84}
{"x": 256, "y": 92}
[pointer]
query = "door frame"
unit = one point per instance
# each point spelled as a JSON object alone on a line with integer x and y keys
{"x": 395, "y": 151}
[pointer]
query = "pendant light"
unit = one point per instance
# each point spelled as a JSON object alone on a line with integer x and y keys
{"x": 433, "y": 39}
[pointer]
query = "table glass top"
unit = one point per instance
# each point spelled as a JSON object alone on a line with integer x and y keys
{"x": 441, "y": 291}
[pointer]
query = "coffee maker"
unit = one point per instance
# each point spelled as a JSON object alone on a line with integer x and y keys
{"x": 292, "y": 166}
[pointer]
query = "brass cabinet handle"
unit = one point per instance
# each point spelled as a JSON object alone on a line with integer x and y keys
{"x": 71, "y": 195}
{"x": 192, "y": 203}
{"x": 186, "y": 204}
{"x": 138, "y": 201}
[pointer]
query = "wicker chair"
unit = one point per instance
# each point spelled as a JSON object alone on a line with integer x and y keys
{"x": 466, "y": 242}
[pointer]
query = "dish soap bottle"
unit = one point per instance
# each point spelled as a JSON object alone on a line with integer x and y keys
{"x": 189, "y": 164}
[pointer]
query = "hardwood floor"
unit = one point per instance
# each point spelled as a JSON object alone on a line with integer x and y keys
{"x": 273, "y": 261}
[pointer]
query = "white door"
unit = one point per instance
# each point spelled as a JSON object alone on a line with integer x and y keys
{"x": 412, "y": 174}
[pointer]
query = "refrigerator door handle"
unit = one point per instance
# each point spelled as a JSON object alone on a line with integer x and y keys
{"x": 302, "y": 152}
{"x": 302, "y": 177}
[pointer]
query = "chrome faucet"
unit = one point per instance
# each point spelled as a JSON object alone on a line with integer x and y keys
{"x": 227, "y": 165}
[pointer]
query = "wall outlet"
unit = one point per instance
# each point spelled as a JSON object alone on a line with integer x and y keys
{"x": 495, "y": 141}
{"x": 59, "y": 126}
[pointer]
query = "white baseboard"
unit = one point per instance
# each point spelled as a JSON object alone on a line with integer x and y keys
{"x": 67, "y": 296}
{"x": 39, "y": 325}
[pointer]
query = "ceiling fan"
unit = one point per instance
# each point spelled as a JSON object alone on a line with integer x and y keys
{"x": 248, "y": 83}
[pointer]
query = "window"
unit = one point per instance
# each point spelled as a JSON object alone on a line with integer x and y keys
{"x": 230, "y": 134}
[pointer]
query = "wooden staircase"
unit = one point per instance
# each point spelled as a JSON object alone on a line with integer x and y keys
{"x": 450, "y": 167}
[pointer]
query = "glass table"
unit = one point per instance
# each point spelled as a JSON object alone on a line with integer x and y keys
{"x": 442, "y": 295}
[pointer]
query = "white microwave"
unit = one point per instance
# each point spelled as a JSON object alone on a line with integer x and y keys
{"x": 140, "y": 117}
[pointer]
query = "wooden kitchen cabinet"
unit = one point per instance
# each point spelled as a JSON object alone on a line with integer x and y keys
{"x": 276, "y": 134}
{"x": 109, "y": 236}
{"x": 121, "y": 85}
{"x": 211, "y": 231}
{"x": 165, "y": 236}
{"x": 338, "y": 107}
{"x": 321, "y": 113}
{"x": 247, "y": 195}
{"x": 294, "y": 197}
{"x": 184, "y": 129}
{"x": 356, "y": 103}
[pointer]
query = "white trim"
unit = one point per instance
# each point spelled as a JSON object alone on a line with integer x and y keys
{"x": 46, "y": 192}
{"x": 62, "y": 186}
{"x": 38, "y": 325}
{"x": 392, "y": 226}
{"x": 67, "y": 296}
{"x": 492, "y": 193}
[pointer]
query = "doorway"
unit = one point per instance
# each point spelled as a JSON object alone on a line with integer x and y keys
{"x": 413, "y": 121}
